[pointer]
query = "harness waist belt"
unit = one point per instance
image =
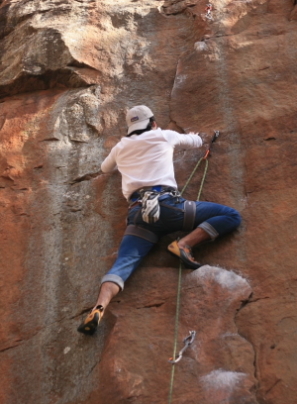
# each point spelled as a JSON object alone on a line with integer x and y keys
{"x": 157, "y": 188}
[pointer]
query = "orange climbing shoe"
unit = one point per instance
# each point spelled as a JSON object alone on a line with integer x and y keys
{"x": 185, "y": 254}
{"x": 91, "y": 322}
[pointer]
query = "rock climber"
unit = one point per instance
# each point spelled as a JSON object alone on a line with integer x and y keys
{"x": 145, "y": 160}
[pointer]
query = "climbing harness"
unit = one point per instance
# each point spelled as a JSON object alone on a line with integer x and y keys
{"x": 148, "y": 197}
{"x": 189, "y": 340}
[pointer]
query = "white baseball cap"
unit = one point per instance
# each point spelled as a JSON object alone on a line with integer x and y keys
{"x": 138, "y": 118}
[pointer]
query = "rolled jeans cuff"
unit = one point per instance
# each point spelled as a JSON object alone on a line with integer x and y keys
{"x": 114, "y": 279}
{"x": 209, "y": 230}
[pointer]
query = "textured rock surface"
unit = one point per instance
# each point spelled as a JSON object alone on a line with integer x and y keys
{"x": 68, "y": 71}
{"x": 218, "y": 365}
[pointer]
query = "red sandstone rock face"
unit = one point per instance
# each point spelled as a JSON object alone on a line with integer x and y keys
{"x": 68, "y": 72}
{"x": 218, "y": 365}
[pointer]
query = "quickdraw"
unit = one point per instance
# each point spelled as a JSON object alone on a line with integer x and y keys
{"x": 208, "y": 10}
{"x": 187, "y": 341}
{"x": 214, "y": 138}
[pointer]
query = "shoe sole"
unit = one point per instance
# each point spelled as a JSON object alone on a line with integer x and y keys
{"x": 179, "y": 252}
{"x": 89, "y": 326}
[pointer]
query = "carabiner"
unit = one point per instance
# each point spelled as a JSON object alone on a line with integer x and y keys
{"x": 187, "y": 341}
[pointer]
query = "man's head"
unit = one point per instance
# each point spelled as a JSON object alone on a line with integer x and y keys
{"x": 139, "y": 119}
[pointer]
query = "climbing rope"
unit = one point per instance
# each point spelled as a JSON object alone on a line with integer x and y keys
{"x": 192, "y": 175}
{"x": 190, "y": 338}
{"x": 175, "y": 331}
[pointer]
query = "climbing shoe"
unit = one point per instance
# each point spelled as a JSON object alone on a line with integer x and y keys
{"x": 185, "y": 254}
{"x": 91, "y": 322}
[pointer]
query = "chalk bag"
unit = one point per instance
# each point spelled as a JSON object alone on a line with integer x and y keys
{"x": 150, "y": 210}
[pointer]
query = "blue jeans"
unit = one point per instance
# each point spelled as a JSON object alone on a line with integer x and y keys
{"x": 214, "y": 218}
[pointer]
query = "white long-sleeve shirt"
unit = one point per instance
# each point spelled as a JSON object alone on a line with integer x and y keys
{"x": 147, "y": 160}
